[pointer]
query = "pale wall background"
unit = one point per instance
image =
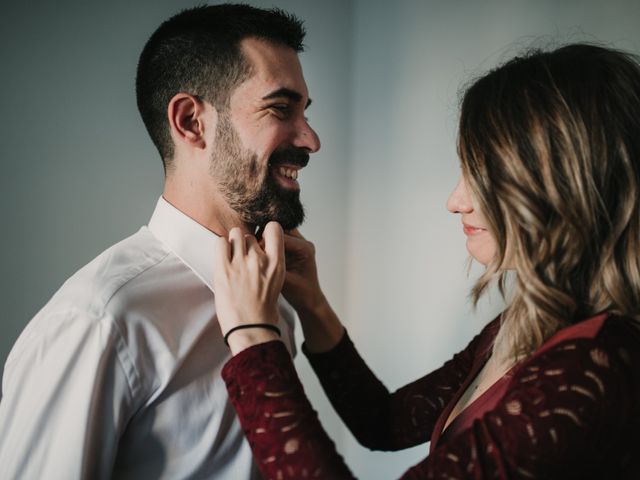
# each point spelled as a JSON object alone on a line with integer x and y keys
{"x": 78, "y": 172}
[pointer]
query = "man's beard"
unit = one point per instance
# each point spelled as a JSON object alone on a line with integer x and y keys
{"x": 249, "y": 188}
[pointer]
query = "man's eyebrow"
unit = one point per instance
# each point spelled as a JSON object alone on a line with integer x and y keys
{"x": 287, "y": 93}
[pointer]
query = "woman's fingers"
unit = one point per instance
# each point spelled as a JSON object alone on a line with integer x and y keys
{"x": 297, "y": 249}
{"x": 250, "y": 240}
{"x": 223, "y": 251}
{"x": 237, "y": 242}
{"x": 294, "y": 233}
{"x": 251, "y": 243}
{"x": 241, "y": 244}
{"x": 295, "y": 244}
{"x": 273, "y": 241}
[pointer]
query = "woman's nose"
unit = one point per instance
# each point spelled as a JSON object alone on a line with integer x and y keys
{"x": 460, "y": 201}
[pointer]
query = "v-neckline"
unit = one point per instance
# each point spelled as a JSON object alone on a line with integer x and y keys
{"x": 484, "y": 348}
{"x": 464, "y": 390}
{"x": 586, "y": 328}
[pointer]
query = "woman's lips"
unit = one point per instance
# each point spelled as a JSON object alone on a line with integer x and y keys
{"x": 471, "y": 230}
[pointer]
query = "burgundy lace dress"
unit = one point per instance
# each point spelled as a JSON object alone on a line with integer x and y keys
{"x": 572, "y": 410}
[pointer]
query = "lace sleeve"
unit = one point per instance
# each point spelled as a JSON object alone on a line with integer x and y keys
{"x": 571, "y": 412}
{"x": 282, "y": 428}
{"x": 391, "y": 421}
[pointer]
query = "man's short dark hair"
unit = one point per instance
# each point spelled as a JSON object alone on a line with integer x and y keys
{"x": 198, "y": 52}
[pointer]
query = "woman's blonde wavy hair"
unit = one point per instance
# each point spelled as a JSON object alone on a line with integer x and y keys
{"x": 550, "y": 146}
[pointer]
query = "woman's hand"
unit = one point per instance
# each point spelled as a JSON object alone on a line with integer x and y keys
{"x": 301, "y": 286}
{"x": 322, "y": 328}
{"x": 247, "y": 281}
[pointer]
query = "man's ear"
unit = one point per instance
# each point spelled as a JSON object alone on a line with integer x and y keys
{"x": 186, "y": 119}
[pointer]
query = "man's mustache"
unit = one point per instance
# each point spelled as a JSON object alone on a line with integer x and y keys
{"x": 289, "y": 156}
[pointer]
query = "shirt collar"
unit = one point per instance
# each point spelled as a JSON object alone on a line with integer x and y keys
{"x": 193, "y": 243}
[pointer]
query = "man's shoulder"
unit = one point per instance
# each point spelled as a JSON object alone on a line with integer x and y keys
{"x": 88, "y": 292}
{"x": 81, "y": 304}
{"x": 91, "y": 288}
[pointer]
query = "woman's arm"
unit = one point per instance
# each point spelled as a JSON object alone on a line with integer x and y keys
{"x": 245, "y": 289}
{"x": 379, "y": 419}
{"x": 571, "y": 411}
{"x": 567, "y": 413}
{"x": 280, "y": 424}
{"x": 386, "y": 421}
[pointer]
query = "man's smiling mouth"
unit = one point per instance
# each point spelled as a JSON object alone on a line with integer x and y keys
{"x": 288, "y": 172}
{"x": 287, "y": 176}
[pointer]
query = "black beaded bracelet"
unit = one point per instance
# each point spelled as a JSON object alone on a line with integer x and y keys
{"x": 268, "y": 326}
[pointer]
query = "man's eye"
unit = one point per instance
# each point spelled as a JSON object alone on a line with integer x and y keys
{"x": 281, "y": 108}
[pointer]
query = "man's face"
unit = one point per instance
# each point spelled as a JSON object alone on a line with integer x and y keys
{"x": 263, "y": 138}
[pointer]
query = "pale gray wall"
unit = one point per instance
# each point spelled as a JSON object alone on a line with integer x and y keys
{"x": 78, "y": 172}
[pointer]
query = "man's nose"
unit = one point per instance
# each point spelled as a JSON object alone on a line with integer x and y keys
{"x": 306, "y": 137}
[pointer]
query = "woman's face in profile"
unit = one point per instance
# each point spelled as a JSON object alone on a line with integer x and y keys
{"x": 480, "y": 242}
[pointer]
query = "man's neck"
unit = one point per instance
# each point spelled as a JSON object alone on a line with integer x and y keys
{"x": 210, "y": 211}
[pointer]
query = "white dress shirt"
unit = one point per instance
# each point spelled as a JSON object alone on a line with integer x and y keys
{"x": 119, "y": 374}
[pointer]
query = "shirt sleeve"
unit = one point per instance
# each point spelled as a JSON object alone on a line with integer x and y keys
{"x": 563, "y": 414}
{"x": 388, "y": 421}
{"x": 66, "y": 396}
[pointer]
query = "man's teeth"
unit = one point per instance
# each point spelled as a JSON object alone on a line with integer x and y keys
{"x": 288, "y": 172}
